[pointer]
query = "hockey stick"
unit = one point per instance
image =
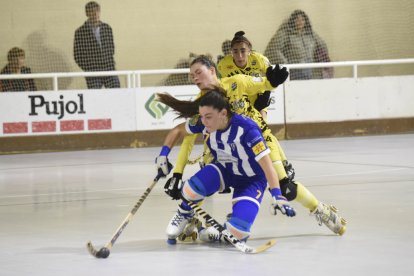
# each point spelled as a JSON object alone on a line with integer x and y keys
{"x": 105, "y": 251}
{"x": 243, "y": 247}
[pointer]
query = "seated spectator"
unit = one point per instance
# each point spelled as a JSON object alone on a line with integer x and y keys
{"x": 16, "y": 65}
{"x": 296, "y": 42}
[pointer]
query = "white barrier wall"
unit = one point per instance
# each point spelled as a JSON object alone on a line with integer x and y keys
{"x": 349, "y": 99}
{"x": 119, "y": 110}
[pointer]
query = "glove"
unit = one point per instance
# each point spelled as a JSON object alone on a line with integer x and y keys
{"x": 280, "y": 203}
{"x": 262, "y": 101}
{"x": 276, "y": 75}
{"x": 173, "y": 186}
{"x": 164, "y": 166}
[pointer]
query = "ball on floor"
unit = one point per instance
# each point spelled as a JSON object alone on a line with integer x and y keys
{"x": 103, "y": 253}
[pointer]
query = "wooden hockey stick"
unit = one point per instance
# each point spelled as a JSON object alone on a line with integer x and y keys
{"x": 243, "y": 247}
{"x": 105, "y": 251}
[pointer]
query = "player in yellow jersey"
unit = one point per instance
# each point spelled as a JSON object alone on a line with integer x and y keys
{"x": 243, "y": 60}
{"x": 238, "y": 88}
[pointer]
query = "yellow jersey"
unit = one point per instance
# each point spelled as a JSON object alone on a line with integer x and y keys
{"x": 256, "y": 66}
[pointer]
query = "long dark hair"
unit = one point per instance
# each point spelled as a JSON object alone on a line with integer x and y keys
{"x": 215, "y": 98}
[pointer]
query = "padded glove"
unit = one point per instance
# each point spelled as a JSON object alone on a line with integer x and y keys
{"x": 280, "y": 203}
{"x": 276, "y": 75}
{"x": 173, "y": 186}
{"x": 164, "y": 166}
{"x": 262, "y": 101}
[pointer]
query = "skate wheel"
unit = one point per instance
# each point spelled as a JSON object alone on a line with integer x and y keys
{"x": 171, "y": 241}
{"x": 333, "y": 208}
{"x": 194, "y": 236}
{"x": 342, "y": 231}
{"x": 182, "y": 237}
{"x": 343, "y": 221}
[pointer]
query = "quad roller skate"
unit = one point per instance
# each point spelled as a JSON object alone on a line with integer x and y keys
{"x": 327, "y": 214}
{"x": 177, "y": 224}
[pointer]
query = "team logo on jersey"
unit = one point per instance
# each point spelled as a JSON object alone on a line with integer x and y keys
{"x": 233, "y": 86}
{"x": 239, "y": 104}
{"x": 258, "y": 148}
{"x": 249, "y": 144}
{"x": 229, "y": 67}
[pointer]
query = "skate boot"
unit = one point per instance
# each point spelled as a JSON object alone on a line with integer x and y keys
{"x": 210, "y": 234}
{"x": 178, "y": 223}
{"x": 190, "y": 232}
{"x": 328, "y": 215}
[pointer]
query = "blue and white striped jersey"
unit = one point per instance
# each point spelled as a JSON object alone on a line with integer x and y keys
{"x": 238, "y": 147}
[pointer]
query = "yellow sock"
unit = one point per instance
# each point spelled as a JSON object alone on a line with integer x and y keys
{"x": 305, "y": 197}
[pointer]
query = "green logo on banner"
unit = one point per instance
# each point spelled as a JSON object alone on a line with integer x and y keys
{"x": 156, "y": 109}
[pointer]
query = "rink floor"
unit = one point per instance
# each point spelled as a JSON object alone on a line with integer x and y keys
{"x": 51, "y": 204}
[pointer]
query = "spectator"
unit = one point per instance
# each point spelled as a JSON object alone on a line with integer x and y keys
{"x": 296, "y": 42}
{"x": 16, "y": 65}
{"x": 94, "y": 48}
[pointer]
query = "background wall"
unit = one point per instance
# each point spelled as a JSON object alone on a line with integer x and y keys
{"x": 158, "y": 34}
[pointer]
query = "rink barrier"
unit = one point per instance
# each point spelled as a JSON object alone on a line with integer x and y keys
{"x": 130, "y": 118}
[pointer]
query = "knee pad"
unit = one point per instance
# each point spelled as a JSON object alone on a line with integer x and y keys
{"x": 204, "y": 183}
{"x": 289, "y": 188}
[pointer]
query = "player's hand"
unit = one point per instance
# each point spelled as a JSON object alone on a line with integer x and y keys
{"x": 173, "y": 186}
{"x": 280, "y": 203}
{"x": 276, "y": 75}
{"x": 262, "y": 101}
{"x": 164, "y": 166}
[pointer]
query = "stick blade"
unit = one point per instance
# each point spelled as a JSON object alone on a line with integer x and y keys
{"x": 91, "y": 249}
{"x": 264, "y": 247}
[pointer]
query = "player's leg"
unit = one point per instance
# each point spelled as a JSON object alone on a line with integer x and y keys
{"x": 295, "y": 191}
{"x": 204, "y": 183}
{"x": 246, "y": 204}
{"x": 290, "y": 189}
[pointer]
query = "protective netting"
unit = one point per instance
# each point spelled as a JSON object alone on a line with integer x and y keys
{"x": 320, "y": 31}
{"x": 296, "y": 42}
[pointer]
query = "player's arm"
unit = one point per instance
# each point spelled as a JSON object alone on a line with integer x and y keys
{"x": 184, "y": 153}
{"x": 275, "y": 75}
{"x": 261, "y": 152}
{"x": 279, "y": 202}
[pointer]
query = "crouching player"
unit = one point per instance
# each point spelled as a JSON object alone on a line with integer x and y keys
{"x": 240, "y": 160}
